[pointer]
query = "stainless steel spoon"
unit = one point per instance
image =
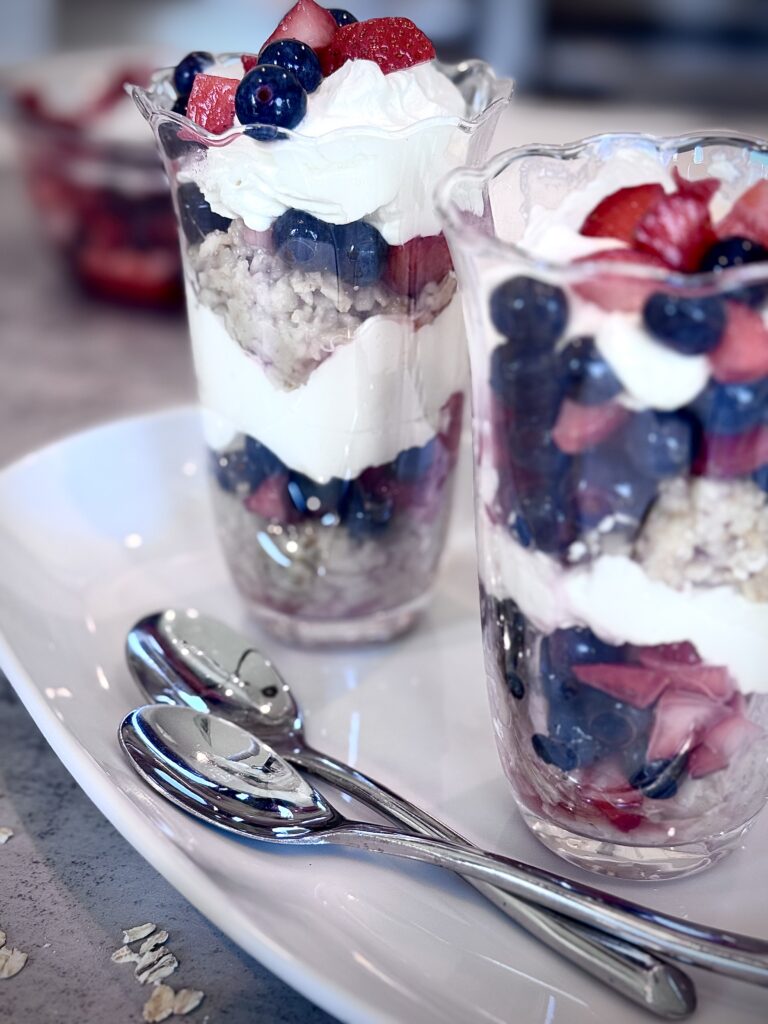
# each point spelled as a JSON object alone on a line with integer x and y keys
{"x": 188, "y": 659}
{"x": 219, "y": 772}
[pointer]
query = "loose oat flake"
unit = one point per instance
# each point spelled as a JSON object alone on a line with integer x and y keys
{"x": 155, "y": 966}
{"x": 158, "y": 939}
{"x": 125, "y": 955}
{"x": 187, "y": 1000}
{"x": 160, "y": 1004}
{"x": 11, "y": 961}
{"x": 5, "y": 834}
{"x": 141, "y": 931}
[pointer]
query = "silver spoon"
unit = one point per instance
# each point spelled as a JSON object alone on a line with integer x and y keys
{"x": 188, "y": 659}
{"x": 219, "y": 772}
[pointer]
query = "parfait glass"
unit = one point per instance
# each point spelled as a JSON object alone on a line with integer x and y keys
{"x": 332, "y": 371}
{"x": 620, "y": 426}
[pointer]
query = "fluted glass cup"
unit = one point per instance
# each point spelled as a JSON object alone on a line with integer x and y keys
{"x": 331, "y": 373}
{"x": 620, "y": 424}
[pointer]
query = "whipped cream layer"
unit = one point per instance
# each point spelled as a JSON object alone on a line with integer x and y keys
{"x": 394, "y": 137}
{"x": 373, "y": 397}
{"x": 619, "y": 602}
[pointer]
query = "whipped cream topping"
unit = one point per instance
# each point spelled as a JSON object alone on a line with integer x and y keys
{"x": 373, "y": 397}
{"x": 398, "y": 137}
{"x": 618, "y": 601}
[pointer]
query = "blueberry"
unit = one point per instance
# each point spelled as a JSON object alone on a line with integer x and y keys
{"x": 368, "y": 514}
{"x": 263, "y": 461}
{"x": 316, "y": 501}
{"x": 527, "y": 383}
{"x": 732, "y": 408}
{"x": 361, "y": 253}
{"x": 580, "y": 646}
{"x": 342, "y": 17}
{"x": 550, "y": 528}
{"x": 737, "y": 251}
{"x": 303, "y": 241}
{"x": 196, "y": 216}
{"x": 554, "y": 752}
{"x": 414, "y": 463}
{"x": 606, "y": 483}
{"x": 660, "y": 444}
{"x": 760, "y": 477}
{"x": 296, "y": 57}
{"x": 185, "y": 71}
{"x": 588, "y": 378}
{"x": 522, "y": 531}
{"x": 180, "y": 105}
{"x": 690, "y": 326}
{"x": 269, "y": 98}
{"x": 234, "y": 472}
{"x": 659, "y": 780}
{"x": 530, "y": 313}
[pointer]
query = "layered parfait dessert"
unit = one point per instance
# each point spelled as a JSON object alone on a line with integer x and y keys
{"x": 327, "y": 334}
{"x": 622, "y": 476}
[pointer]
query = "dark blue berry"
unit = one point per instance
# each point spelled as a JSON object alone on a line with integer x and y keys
{"x": 659, "y": 780}
{"x": 736, "y": 252}
{"x": 297, "y": 57}
{"x": 554, "y": 752}
{"x": 185, "y": 71}
{"x": 196, "y": 216}
{"x": 606, "y": 483}
{"x": 234, "y": 472}
{"x": 342, "y": 17}
{"x": 414, "y": 463}
{"x": 316, "y": 501}
{"x": 660, "y": 444}
{"x": 580, "y": 646}
{"x": 269, "y": 98}
{"x": 361, "y": 253}
{"x": 180, "y": 105}
{"x": 691, "y": 326}
{"x": 587, "y": 377}
{"x": 546, "y": 521}
{"x": 303, "y": 241}
{"x": 368, "y": 514}
{"x": 527, "y": 383}
{"x": 732, "y": 408}
{"x": 522, "y": 531}
{"x": 760, "y": 477}
{"x": 530, "y": 313}
{"x": 264, "y": 463}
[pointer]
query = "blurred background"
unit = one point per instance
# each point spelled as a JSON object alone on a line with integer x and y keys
{"x": 90, "y": 303}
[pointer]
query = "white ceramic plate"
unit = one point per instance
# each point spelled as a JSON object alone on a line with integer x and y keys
{"x": 114, "y": 523}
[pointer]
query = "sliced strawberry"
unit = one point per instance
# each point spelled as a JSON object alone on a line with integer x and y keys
{"x": 392, "y": 43}
{"x": 632, "y": 684}
{"x": 212, "y": 102}
{"x": 249, "y": 60}
{"x": 451, "y": 421}
{"x": 748, "y": 216}
{"x": 742, "y": 354}
{"x": 720, "y": 744}
{"x": 677, "y": 228}
{"x": 419, "y": 262}
{"x": 617, "y": 291}
{"x": 579, "y": 427}
{"x": 618, "y": 215}
{"x": 663, "y": 655}
{"x": 680, "y": 721}
{"x": 271, "y": 499}
{"x": 309, "y": 23}
{"x": 702, "y": 189}
{"x": 725, "y": 457}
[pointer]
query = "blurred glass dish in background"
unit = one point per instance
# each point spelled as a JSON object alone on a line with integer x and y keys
{"x": 92, "y": 172}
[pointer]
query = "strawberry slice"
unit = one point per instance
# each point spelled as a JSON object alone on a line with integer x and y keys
{"x": 664, "y": 655}
{"x": 678, "y": 228}
{"x": 309, "y": 23}
{"x": 742, "y": 354}
{"x": 392, "y": 43}
{"x": 680, "y": 721}
{"x": 720, "y": 744}
{"x": 748, "y": 216}
{"x": 417, "y": 263}
{"x": 249, "y": 61}
{"x": 725, "y": 457}
{"x": 618, "y": 215}
{"x": 579, "y": 427}
{"x": 617, "y": 291}
{"x": 632, "y": 684}
{"x": 212, "y": 102}
{"x": 271, "y": 499}
{"x": 702, "y": 189}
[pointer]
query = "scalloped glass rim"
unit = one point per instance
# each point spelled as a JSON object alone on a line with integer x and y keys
{"x": 499, "y": 90}
{"x": 453, "y": 217}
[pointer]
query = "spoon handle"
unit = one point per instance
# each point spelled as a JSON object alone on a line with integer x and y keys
{"x": 661, "y": 988}
{"x": 728, "y": 953}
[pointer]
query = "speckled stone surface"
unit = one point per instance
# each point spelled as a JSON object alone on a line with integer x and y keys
{"x": 69, "y": 883}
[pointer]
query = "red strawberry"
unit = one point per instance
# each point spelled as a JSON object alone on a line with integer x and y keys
{"x": 451, "y": 422}
{"x": 742, "y": 354}
{"x": 271, "y": 499}
{"x": 579, "y": 427}
{"x": 662, "y": 655}
{"x": 677, "y": 228}
{"x": 727, "y": 738}
{"x": 681, "y": 720}
{"x": 632, "y": 684}
{"x": 618, "y": 215}
{"x": 392, "y": 43}
{"x": 748, "y": 216}
{"x": 617, "y": 291}
{"x": 725, "y": 456}
{"x": 212, "y": 102}
{"x": 417, "y": 263}
{"x": 249, "y": 60}
{"x": 309, "y": 23}
{"x": 703, "y": 189}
